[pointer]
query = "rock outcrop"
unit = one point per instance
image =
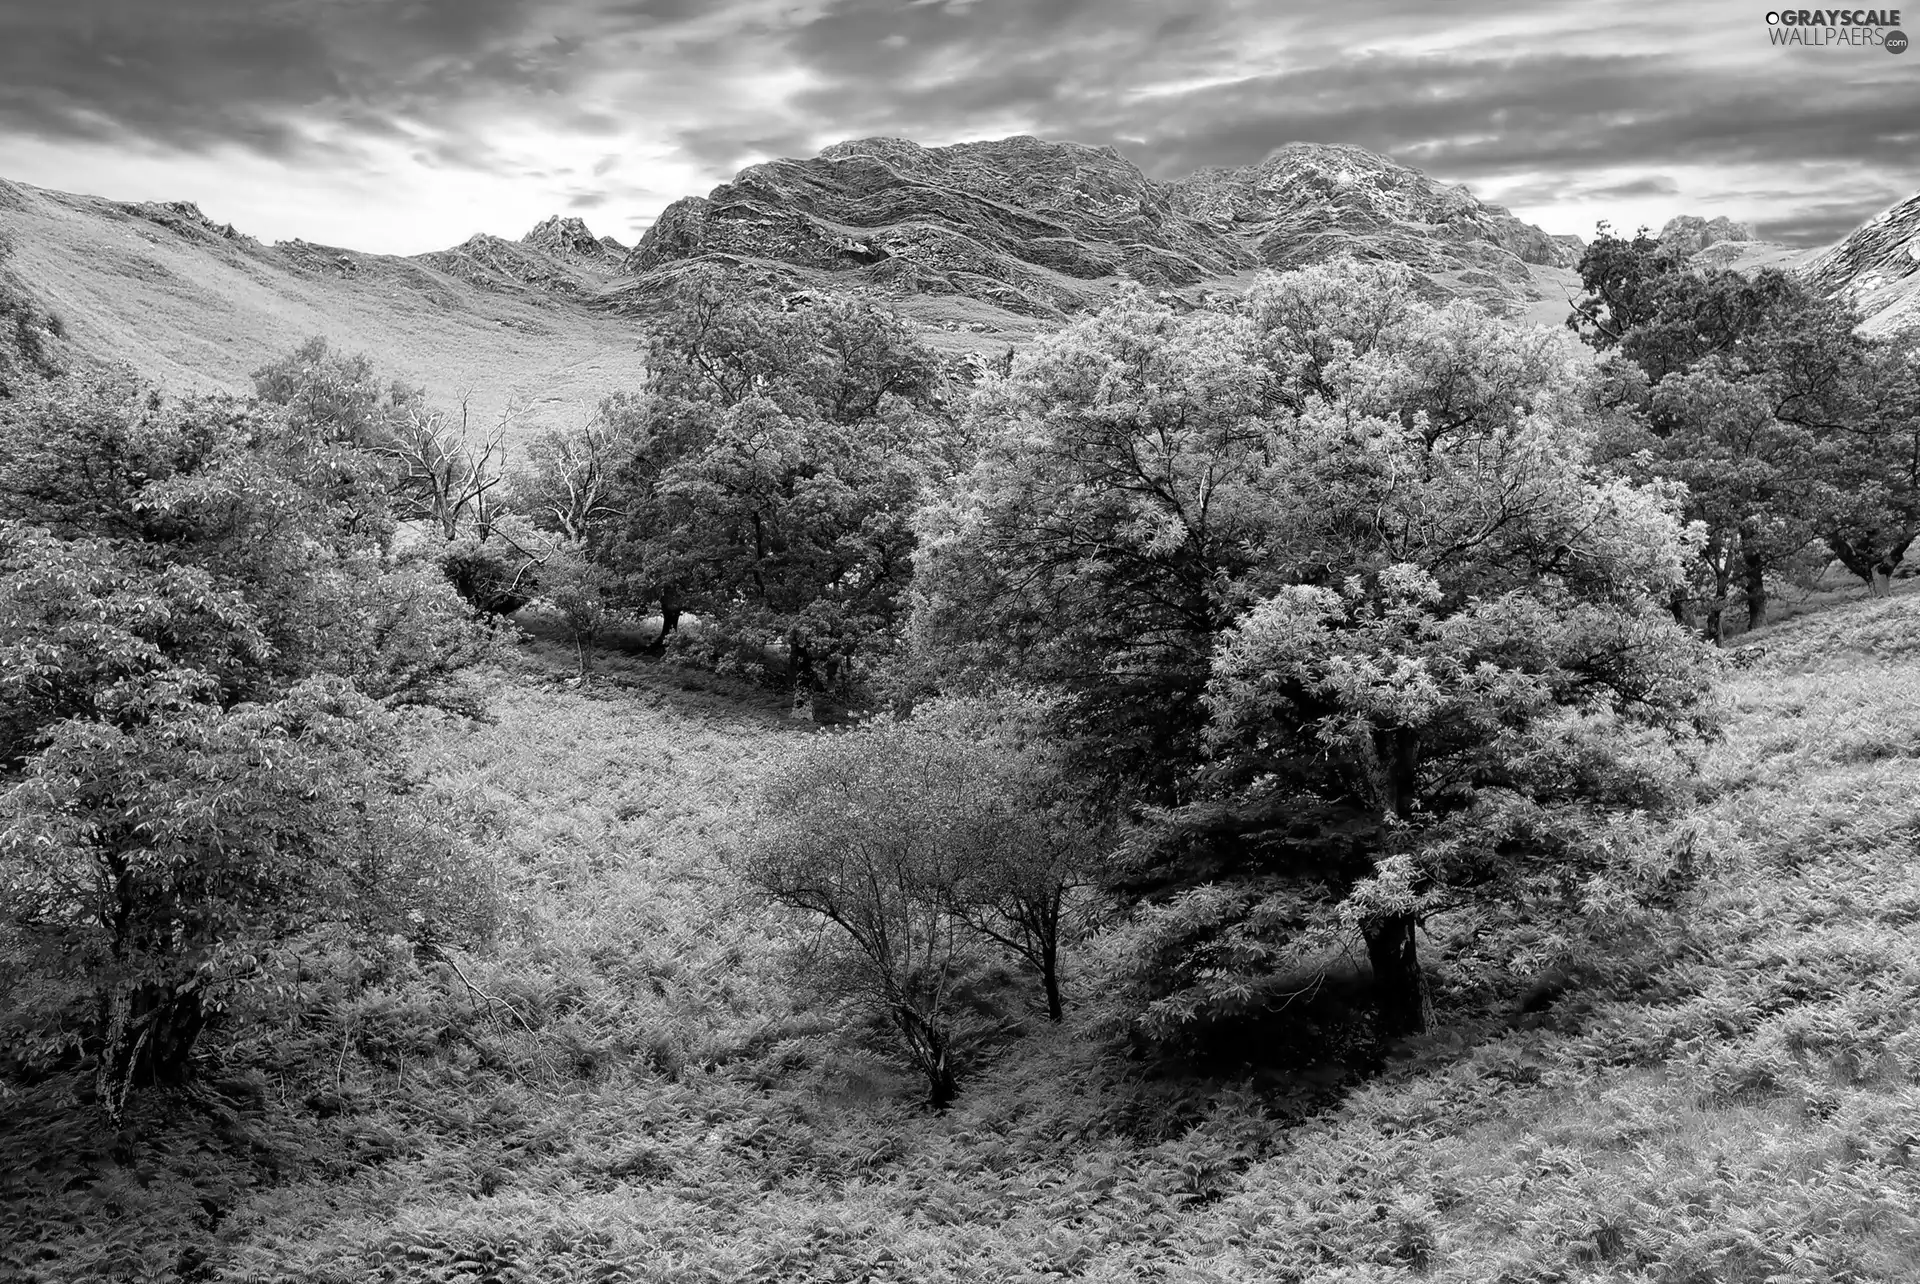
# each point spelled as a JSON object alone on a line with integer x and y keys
{"x": 1309, "y": 202}
{"x": 183, "y": 217}
{"x": 1691, "y": 234}
{"x": 1043, "y": 229}
{"x": 559, "y": 256}
{"x": 569, "y": 240}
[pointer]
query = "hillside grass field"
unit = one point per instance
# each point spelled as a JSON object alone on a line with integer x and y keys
{"x": 631, "y": 1087}
{"x": 191, "y": 311}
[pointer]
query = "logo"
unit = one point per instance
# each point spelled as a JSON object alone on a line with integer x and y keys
{"x": 1861, "y": 28}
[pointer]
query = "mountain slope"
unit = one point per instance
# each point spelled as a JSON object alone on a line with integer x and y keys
{"x": 982, "y": 244}
{"x": 1879, "y": 268}
{"x": 189, "y": 303}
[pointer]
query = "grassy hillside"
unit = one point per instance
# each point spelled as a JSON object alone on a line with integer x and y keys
{"x": 627, "y": 1090}
{"x": 188, "y": 307}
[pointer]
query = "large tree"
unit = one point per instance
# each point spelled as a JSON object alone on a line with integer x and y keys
{"x": 1759, "y": 394}
{"x": 201, "y": 631}
{"x": 772, "y": 466}
{"x": 1317, "y": 575}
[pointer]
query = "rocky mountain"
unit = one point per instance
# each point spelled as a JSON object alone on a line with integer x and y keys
{"x": 1878, "y": 267}
{"x": 570, "y": 241}
{"x": 1041, "y": 229}
{"x": 1692, "y": 234}
{"x": 1310, "y": 202}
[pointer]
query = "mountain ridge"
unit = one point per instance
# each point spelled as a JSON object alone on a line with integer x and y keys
{"x": 981, "y": 245}
{"x": 1051, "y": 228}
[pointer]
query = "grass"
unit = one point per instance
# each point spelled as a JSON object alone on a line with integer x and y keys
{"x": 634, "y": 1086}
{"x": 198, "y": 312}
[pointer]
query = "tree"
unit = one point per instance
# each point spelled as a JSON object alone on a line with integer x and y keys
{"x": 874, "y": 831}
{"x": 272, "y": 503}
{"x": 1757, "y": 396}
{"x": 1105, "y": 535}
{"x": 920, "y": 838}
{"x": 597, "y": 488}
{"x": 447, "y": 468}
{"x": 340, "y": 429}
{"x": 89, "y": 625}
{"x": 1874, "y": 465}
{"x": 1040, "y": 837}
{"x": 202, "y": 632}
{"x": 773, "y": 466}
{"x": 1318, "y": 550}
{"x": 142, "y": 856}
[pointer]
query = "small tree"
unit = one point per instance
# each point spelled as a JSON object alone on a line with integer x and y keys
{"x": 870, "y": 832}
{"x": 133, "y": 856}
{"x": 1041, "y": 836}
{"x": 913, "y": 839}
{"x": 446, "y": 468}
{"x": 774, "y": 465}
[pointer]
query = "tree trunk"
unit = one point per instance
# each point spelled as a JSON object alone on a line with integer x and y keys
{"x": 176, "y": 1021}
{"x": 148, "y": 1040}
{"x": 1050, "y": 981}
{"x": 927, "y": 1048}
{"x": 669, "y": 616}
{"x": 1401, "y": 1002}
{"x": 800, "y": 663}
{"x": 1756, "y": 584}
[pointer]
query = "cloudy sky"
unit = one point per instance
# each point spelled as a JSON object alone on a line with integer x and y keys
{"x": 408, "y": 125}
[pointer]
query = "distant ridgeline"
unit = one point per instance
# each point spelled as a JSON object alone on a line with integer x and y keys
{"x": 980, "y": 245}
{"x": 1043, "y": 229}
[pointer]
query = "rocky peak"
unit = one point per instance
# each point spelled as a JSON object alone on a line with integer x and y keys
{"x": 1310, "y": 201}
{"x": 1690, "y": 234}
{"x": 566, "y": 239}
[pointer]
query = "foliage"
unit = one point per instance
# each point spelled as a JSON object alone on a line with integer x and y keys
{"x": 1727, "y": 1093}
{"x": 277, "y": 507}
{"x": 876, "y": 831}
{"x": 203, "y": 632}
{"x": 91, "y": 629}
{"x": 152, "y": 867}
{"x": 767, "y": 478}
{"x": 1106, "y": 534}
{"x": 1786, "y": 426}
{"x": 1337, "y": 579}
{"x": 29, "y": 334}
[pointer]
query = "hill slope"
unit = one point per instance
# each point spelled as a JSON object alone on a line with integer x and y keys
{"x": 1879, "y": 268}
{"x": 189, "y": 303}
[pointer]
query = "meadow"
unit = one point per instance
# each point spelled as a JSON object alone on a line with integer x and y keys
{"x": 631, "y": 1086}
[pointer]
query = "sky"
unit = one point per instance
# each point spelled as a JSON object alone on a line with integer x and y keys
{"x": 403, "y": 126}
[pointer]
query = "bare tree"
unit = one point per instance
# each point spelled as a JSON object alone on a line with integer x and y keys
{"x": 448, "y": 468}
